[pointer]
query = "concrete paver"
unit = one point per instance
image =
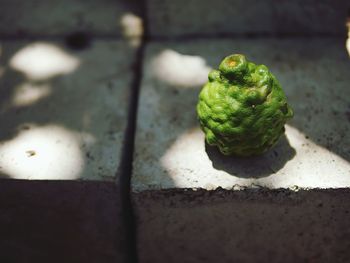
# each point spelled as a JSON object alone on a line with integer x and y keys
{"x": 63, "y": 113}
{"x": 243, "y": 226}
{"x": 56, "y": 221}
{"x": 170, "y": 148}
{"x": 168, "y": 18}
{"x": 193, "y": 202}
{"x": 49, "y": 18}
{"x": 63, "y": 118}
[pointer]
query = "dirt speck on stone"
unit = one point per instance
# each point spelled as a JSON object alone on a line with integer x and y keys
{"x": 30, "y": 153}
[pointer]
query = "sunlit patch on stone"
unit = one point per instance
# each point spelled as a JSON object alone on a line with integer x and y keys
{"x": 180, "y": 70}
{"x": 132, "y": 26}
{"x": 46, "y": 152}
{"x": 189, "y": 166}
{"x": 40, "y": 61}
{"x": 27, "y": 94}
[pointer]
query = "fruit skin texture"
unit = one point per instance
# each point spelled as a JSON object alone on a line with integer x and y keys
{"x": 242, "y": 109}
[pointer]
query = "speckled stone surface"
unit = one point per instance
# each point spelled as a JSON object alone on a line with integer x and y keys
{"x": 315, "y": 153}
{"x": 243, "y": 226}
{"x": 63, "y": 116}
{"x": 57, "y": 17}
{"x": 195, "y": 17}
{"x": 61, "y": 221}
{"x": 63, "y": 113}
{"x": 191, "y": 201}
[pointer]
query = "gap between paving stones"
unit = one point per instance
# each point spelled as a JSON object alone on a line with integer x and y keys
{"x": 127, "y": 156}
{"x": 129, "y": 219}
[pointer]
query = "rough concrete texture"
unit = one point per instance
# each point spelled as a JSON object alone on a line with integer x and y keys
{"x": 39, "y": 17}
{"x": 243, "y": 226}
{"x": 60, "y": 221}
{"x": 170, "y": 149}
{"x": 169, "y": 18}
{"x": 63, "y": 113}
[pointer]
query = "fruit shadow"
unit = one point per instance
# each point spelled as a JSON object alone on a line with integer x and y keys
{"x": 256, "y": 166}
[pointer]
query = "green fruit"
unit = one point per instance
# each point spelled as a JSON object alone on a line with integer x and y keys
{"x": 242, "y": 109}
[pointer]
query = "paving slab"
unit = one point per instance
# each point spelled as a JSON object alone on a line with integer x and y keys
{"x": 315, "y": 152}
{"x": 168, "y": 18}
{"x": 55, "y": 221}
{"x": 49, "y": 18}
{"x": 177, "y": 177}
{"x": 63, "y": 113}
{"x": 63, "y": 116}
{"x": 243, "y": 226}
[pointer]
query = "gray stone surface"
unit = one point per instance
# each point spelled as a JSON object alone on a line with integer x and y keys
{"x": 170, "y": 150}
{"x": 57, "y": 17}
{"x": 63, "y": 114}
{"x": 195, "y": 17}
{"x": 63, "y": 118}
{"x": 61, "y": 221}
{"x": 269, "y": 226}
{"x": 246, "y": 216}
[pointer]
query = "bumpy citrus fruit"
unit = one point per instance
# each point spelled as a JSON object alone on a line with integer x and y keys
{"x": 242, "y": 109}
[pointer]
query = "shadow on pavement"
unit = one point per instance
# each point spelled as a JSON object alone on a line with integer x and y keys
{"x": 255, "y": 166}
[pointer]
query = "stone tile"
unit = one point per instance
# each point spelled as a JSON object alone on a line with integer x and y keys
{"x": 63, "y": 113}
{"x": 250, "y": 220}
{"x": 170, "y": 150}
{"x": 55, "y": 221}
{"x": 39, "y": 17}
{"x": 63, "y": 117}
{"x": 194, "y": 17}
{"x": 243, "y": 226}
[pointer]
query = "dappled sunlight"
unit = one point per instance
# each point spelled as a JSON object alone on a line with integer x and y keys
{"x": 188, "y": 165}
{"x": 43, "y": 152}
{"x": 29, "y": 93}
{"x": 312, "y": 166}
{"x": 40, "y": 61}
{"x": 171, "y": 148}
{"x": 132, "y": 26}
{"x": 180, "y": 70}
{"x": 63, "y": 127}
{"x": 315, "y": 166}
